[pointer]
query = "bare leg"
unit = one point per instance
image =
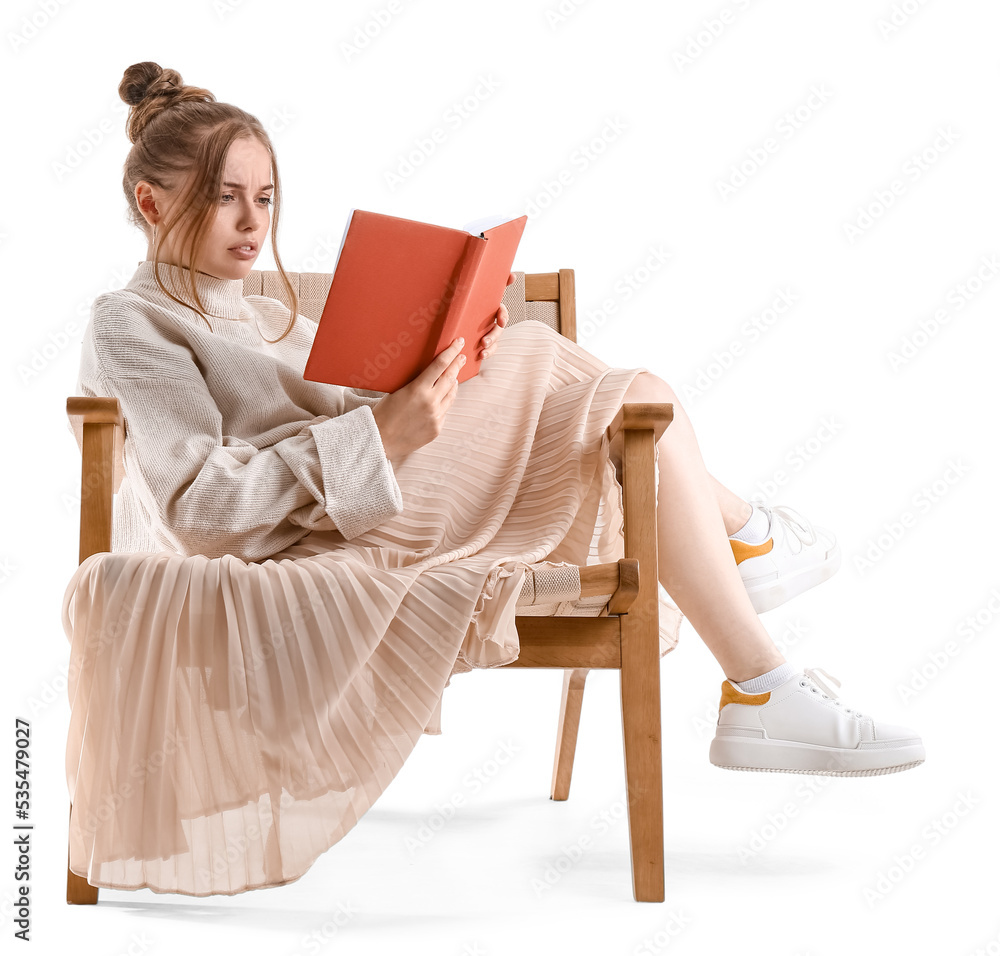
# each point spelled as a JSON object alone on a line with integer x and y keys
{"x": 735, "y": 511}
{"x": 696, "y": 565}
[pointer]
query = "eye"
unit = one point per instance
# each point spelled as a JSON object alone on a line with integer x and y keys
{"x": 266, "y": 200}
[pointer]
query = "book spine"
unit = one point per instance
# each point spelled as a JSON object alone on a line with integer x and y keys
{"x": 451, "y": 327}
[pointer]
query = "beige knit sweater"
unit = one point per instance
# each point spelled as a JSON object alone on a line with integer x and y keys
{"x": 228, "y": 449}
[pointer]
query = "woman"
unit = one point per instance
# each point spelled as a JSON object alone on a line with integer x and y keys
{"x": 299, "y": 568}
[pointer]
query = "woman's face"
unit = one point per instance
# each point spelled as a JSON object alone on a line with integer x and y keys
{"x": 243, "y": 214}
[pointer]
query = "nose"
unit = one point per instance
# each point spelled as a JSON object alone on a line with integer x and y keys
{"x": 252, "y": 214}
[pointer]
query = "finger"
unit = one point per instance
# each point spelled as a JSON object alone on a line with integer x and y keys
{"x": 448, "y": 361}
{"x": 448, "y": 379}
{"x": 499, "y": 320}
{"x": 449, "y": 354}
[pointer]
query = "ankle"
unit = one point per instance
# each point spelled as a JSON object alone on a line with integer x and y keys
{"x": 734, "y": 520}
{"x": 769, "y": 680}
{"x": 754, "y": 669}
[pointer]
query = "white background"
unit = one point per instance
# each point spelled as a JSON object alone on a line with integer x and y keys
{"x": 815, "y": 405}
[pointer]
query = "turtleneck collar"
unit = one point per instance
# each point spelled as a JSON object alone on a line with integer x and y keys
{"x": 222, "y": 298}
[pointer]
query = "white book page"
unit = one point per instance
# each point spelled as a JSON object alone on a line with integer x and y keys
{"x": 478, "y": 226}
{"x": 343, "y": 239}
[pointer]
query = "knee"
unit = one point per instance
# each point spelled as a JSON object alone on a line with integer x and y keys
{"x": 647, "y": 387}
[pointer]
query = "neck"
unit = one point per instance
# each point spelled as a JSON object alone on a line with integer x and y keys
{"x": 222, "y": 298}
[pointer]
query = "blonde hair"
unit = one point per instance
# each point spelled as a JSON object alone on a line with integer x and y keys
{"x": 177, "y": 130}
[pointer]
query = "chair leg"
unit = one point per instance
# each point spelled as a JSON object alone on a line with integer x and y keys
{"x": 640, "y": 687}
{"x": 640, "y": 671}
{"x": 78, "y": 890}
{"x": 569, "y": 724}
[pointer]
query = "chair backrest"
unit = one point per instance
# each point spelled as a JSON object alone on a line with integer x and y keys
{"x": 548, "y": 297}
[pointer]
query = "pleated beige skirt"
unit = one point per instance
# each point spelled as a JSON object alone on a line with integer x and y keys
{"x": 232, "y": 720}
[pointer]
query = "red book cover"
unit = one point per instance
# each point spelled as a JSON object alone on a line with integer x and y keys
{"x": 402, "y": 291}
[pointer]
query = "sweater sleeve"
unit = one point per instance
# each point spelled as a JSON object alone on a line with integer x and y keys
{"x": 209, "y": 493}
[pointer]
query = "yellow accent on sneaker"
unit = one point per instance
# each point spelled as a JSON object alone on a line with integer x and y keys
{"x": 742, "y": 550}
{"x": 733, "y": 695}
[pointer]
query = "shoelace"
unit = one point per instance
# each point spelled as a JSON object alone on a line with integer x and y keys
{"x": 820, "y": 686}
{"x": 802, "y": 530}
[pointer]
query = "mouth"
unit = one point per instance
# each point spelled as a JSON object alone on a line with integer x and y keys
{"x": 245, "y": 250}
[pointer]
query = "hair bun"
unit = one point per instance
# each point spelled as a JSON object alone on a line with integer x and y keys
{"x": 148, "y": 79}
{"x": 147, "y": 83}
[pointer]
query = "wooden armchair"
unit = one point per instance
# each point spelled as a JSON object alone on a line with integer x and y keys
{"x": 614, "y": 623}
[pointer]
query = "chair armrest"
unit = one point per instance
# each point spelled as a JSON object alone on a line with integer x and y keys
{"x": 636, "y": 416}
{"x": 655, "y": 415}
{"x": 634, "y": 432}
{"x": 98, "y": 410}
{"x": 83, "y": 410}
{"x": 99, "y": 429}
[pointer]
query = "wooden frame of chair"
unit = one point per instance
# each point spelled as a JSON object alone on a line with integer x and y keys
{"x": 626, "y": 638}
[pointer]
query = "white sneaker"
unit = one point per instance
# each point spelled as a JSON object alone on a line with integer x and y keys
{"x": 801, "y": 727}
{"x": 794, "y": 557}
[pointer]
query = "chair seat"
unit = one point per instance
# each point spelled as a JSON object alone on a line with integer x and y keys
{"x": 548, "y": 589}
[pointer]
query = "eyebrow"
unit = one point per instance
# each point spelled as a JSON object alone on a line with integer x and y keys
{"x": 241, "y": 186}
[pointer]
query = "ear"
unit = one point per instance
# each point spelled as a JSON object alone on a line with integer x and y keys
{"x": 147, "y": 202}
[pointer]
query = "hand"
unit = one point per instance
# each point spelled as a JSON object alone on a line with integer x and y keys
{"x": 501, "y": 319}
{"x": 414, "y": 414}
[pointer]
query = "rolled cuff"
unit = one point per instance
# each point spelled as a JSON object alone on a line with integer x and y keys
{"x": 359, "y": 485}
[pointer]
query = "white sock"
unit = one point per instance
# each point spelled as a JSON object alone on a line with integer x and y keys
{"x": 756, "y": 528}
{"x": 768, "y": 681}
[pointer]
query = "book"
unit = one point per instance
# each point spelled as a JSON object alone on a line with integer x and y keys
{"x": 403, "y": 291}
